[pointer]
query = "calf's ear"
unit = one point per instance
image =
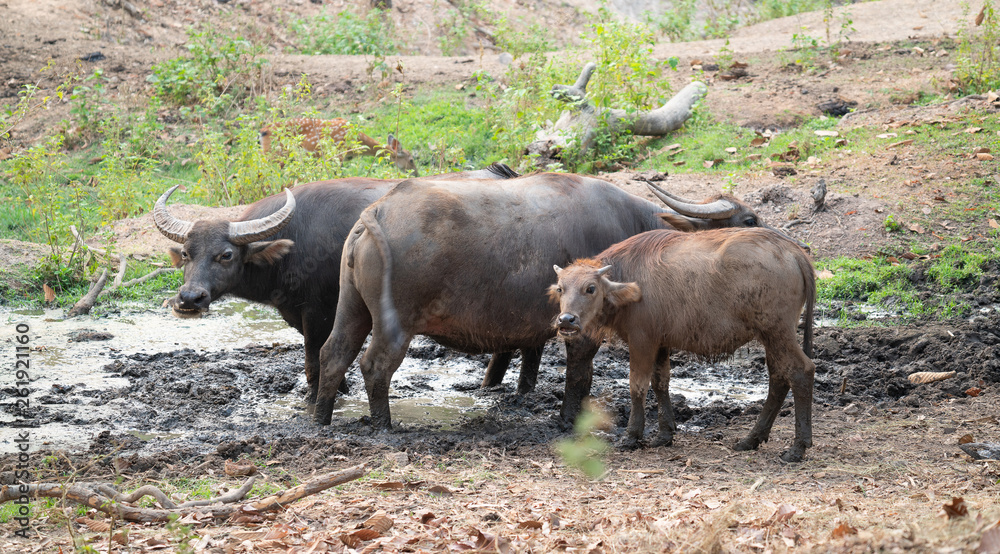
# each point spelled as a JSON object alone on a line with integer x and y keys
{"x": 268, "y": 253}
{"x": 678, "y": 222}
{"x": 175, "y": 256}
{"x": 622, "y": 294}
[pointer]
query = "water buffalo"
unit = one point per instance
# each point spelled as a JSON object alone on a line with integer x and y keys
{"x": 468, "y": 267}
{"x": 283, "y": 251}
{"x": 315, "y": 130}
{"x": 708, "y": 293}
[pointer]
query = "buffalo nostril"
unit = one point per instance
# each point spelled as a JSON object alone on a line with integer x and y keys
{"x": 567, "y": 319}
{"x": 192, "y": 297}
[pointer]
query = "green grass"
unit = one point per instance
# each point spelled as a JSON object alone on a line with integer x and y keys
{"x": 895, "y": 285}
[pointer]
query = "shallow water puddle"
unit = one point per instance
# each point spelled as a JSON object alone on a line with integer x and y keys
{"x": 62, "y": 362}
{"x": 183, "y": 390}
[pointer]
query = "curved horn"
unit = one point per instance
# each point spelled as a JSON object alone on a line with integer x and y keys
{"x": 604, "y": 270}
{"x": 173, "y": 228}
{"x": 245, "y": 232}
{"x": 720, "y": 209}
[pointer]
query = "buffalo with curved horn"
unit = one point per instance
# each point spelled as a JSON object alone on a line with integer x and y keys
{"x": 468, "y": 267}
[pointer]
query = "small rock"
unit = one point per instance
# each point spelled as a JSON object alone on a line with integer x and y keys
{"x": 506, "y": 59}
{"x": 982, "y": 450}
{"x": 852, "y": 409}
{"x": 88, "y": 335}
{"x": 398, "y": 458}
{"x": 93, "y": 57}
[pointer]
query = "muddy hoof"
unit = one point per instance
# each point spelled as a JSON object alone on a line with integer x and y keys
{"x": 629, "y": 443}
{"x": 793, "y": 455}
{"x": 662, "y": 440}
{"x": 746, "y": 444}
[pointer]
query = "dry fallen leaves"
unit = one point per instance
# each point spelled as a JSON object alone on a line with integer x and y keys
{"x": 966, "y": 439}
{"x": 843, "y": 530}
{"x": 50, "y": 294}
{"x": 973, "y": 391}
{"x": 990, "y": 543}
{"x": 955, "y": 508}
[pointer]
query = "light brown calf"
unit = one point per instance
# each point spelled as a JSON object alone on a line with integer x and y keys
{"x": 315, "y": 130}
{"x": 709, "y": 293}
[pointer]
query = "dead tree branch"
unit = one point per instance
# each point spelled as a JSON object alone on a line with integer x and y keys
{"x": 104, "y": 498}
{"x": 584, "y": 120}
{"x": 87, "y": 302}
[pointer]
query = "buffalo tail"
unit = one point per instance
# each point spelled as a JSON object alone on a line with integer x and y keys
{"x": 809, "y": 276}
{"x": 389, "y": 316}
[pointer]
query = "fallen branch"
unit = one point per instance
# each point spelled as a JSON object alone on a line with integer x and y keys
{"x": 140, "y": 280}
{"x": 584, "y": 120}
{"x": 104, "y": 498}
{"x": 87, "y": 302}
{"x": 94, "y": 249}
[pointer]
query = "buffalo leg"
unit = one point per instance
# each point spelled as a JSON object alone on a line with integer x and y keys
{"x": 641, "y": 368}
{"x": 580, "y": 354}
{"x": 378, "y": 364}
{"x": 801, "y": 374}
{"x": 777, "y": 390}
{"x": 353, "y": 323}
{"x": 497, "y": 368}
{"x": 661, "y": 386}
{"x": 531, "y": 358}
{"x": 315, "y": 330}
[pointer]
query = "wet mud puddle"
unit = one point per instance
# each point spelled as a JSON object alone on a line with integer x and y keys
{"x": 237, "y": 373}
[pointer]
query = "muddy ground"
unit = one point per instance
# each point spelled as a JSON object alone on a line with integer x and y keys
{"x": 885, "y": 459}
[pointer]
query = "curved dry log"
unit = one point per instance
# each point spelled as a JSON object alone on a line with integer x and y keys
{"x": 584, "y": 120}
{"x": 87, "y": 302}
{"x": 104, "y": 498}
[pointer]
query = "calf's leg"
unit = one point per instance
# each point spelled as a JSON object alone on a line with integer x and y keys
{"x": 580, "y": 354}
{"x": 777, "y": 390}
{"x": 801, "y": 374}
{"x": 641, "y": 367}
{"x": 661, "y": 386}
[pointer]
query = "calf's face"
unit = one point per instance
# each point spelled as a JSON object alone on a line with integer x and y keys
{"x": 587, "y": 298}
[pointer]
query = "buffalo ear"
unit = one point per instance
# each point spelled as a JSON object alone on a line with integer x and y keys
{"x": 267, "y": 253}
{"x": 175, "y": 256}
{"x": 678, "y": 222}
{"x": 622, "y": 294}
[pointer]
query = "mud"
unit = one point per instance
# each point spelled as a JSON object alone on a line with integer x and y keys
{"x": 150, "y": 404}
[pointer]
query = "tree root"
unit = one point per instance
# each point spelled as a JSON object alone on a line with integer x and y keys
{"x": 104, "y": 498}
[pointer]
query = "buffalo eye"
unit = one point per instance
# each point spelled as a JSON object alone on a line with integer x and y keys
{"x": 559, "y": 290}
{"x": 226, "y": 256}
{"x": 750, "y": 222}
{"x": 591, "y": 289}
{"x": 184, "y": 255}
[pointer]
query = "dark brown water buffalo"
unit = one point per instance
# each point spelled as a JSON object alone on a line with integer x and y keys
{"x": 708, "y": 293}
{"x": 283, "y": 251}
{"x": 468, "y": 267}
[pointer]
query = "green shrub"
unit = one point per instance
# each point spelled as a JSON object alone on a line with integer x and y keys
{"x": 346, "y": 33}
{"x": 977, "y": 65}
{"x": 225, "y": 67}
